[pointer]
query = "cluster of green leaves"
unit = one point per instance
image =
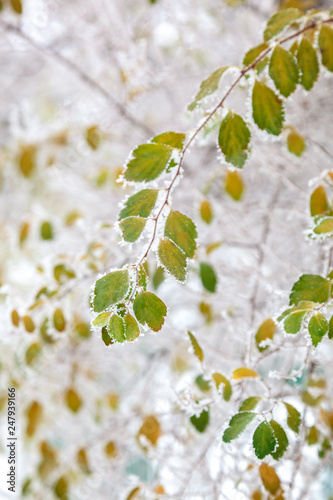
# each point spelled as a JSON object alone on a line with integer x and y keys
{"x": 309, "y": 295}
{"x": 269, "y": 437}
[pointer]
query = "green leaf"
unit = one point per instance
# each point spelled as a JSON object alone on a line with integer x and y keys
{"x": 330, "y": 329}
{"x": 208, "y": 277}
{"x": 252, "y": 54}
{"x": 323, "y": 225}
{"x": 182, "y": 231}
{"x": 102, "y": 319}
{"x": 282, "y": 440}
{"x": 139, "y": 204}
{"x": 307, "y": 63}
{"x": 110, "y": 290}
{"x": 202, "y": 383}
{"x": 293, "y": 322}
{"x": 132, "y": 330}
{"x": 267, "y": 109}
{"x": 208, "y": 87}
{"x": 237, "y": 425}
{"x": 117, "y": 328}
{"x": 295, "y": 143}
{"x": 294, "y": 417}
{"x": 173, "y": 139}
{"x": 200, "y": 423}
{"x": 234, "y": 138}
{"x": 196, "y": 347}
{"x": 265, "y": 331}
{"x": 283, "y": 71}
{"x": 149, "y": 161}
{"x": 234, "y": 185}
{"x": 172, "y": 259}
{"x": 158, "y": 277}
{"x": 106, "y": 337}
{"x": 46, "y": 231}
{"x": 149, "y": 310}
{"x": 325, "y": 41}
{"x": 311, "y": 287}
{"x": 249, "y": 403}
{"x": 264, "y": 441}
{"x": 221, "y": 379}
{"x": 143, "y": 276}
{"x": 318, "y": 327}
{"x": 318, "y": 202}
{"x": 132, "y": 228}
{"x": 280, "y": 21}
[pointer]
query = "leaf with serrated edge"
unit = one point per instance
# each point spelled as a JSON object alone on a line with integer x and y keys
{"x": 249, "y": 403}
{"x": 132, "y": 330}
{"x": 149, "y": 310}
{"x": 325, "y": 42}
{"x": 173, "y": 139}
{"x": 269, "y": 477}
{"x": 310, "y": 287}
{"x": 280, "y": 21}
{"x": 132, "y": 228}
{"x": 110, "y": 290}
{"x": 267, "y": 109}
{"x": 196, "y": 347}
{"x": 139, "y": 204}
{"x": 243, "y": 372}
{"x": 208, "y": 87}
{"x": 282, "y": 440}
{"x": 182, "y": 231}
{"x": 294, "y": 417}
{"x": 307, "y": 64}
{"x": 101, "y": 319}
{"x": 237, "y": 425}
{"x": 149, "y": 161}
{"x": 330, "y": 329}
{"x": 117, "y": 328}
{"x": 173, "y": 259}
{"x": 264, "y": 441}
{"x": 234, "y": 139}
{"x": 318, "y": 327}
{"x": 283, "y": 71}
{"x": 252, "y": 54}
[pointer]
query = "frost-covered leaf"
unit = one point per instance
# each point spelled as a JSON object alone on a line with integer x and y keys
{"x": 294, "y": 417}
{"x": 208, "y": 87}
{"x": 237, "y": 425}
{"x": 149, "y": 310}
{"x": 172, "y": 259}
{"x": 264, "y": 441}
{"x": 325, "y": 42}
{"x": 208, "y": 277}
{"x": 265, "y": 331}
{"x": 318, "y": 327}
{"x": 252, "y": 54}
{"x": 106, "y": 337}
{"x": 283, "y": 71}
{"x": 234, "y": 139}
{"x": 249, "y": 403}
{"x": 311, "y": 287}
{"x": 330, "y": 328}
{"x": 295, "y": 143}
{"x": 110, "y": 290}
{"x": 203, "y": 384}
{"x": 132, "y": 330}
{"x": 269, "y": 478}
{"x": 102, "y": 319}
{"x": 244, "y": 372}
{"x": 293, "y": 317}
{"x": 318, "y": 202}
{"x": 200, "y": 423}
{"x": 280, "y": 21}
{"x": 234, "y": 185}
{"x": 117, "y": 328}
{"x": 281, "y": 438}
{"x": 307, "y": 63}
{"x": 221, "y": 379}
{"x": 139, "y": 204}
{"x": 206, "y": 211}
{"x": 323, "y": 226}
{"x": 182, "y": 231}
{"x": 132, "y": 228}
{"x": 267, "y": 109}
{"x": 173, "y": 139}
{"x": 149, "y": 161}
{"x": 196, "y": 347}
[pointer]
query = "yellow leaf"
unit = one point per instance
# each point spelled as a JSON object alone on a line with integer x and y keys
{"x": 82, "y": 459}
{"x": 150, "y": 429}
{"x": 29, "y": 325}
{"x": 34, "y": 414}
{"x": 73, "y": 400}
{"x": 94, "y": 137}
{"x": 295, "y": 143}
{"x": 113, "y": 400}
{"x": 27, "y": 160}
{"x": 196, "y": 347}
{"x": 134, "y": 493}
{"x": 110, "y": 449}
{"x": 234, "y": 185}
{"x": 15, "y": 318}
{"x": 244, "y": 373}
{"x": 318, "y": 202}
{"x": 269, "y": 477}
{"x": 265, "y": 331}
{"x": 206, "y": 211}
{"x": 24, "y": 232}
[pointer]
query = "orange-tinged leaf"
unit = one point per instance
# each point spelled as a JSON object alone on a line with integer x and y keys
{"x": 73, "y": 400}
{"x": 318, "y": 202}
{"x": 270, "y": 479}
{"x": 133, "y": 494}
{"x": 150, "y": 429}
{"x": 110, "y": 449}
{"x": 243, "y": 372}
